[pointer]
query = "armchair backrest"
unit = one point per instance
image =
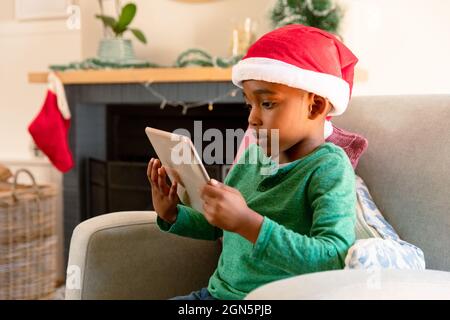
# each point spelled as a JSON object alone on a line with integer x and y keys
{"x": 407, "y": 166}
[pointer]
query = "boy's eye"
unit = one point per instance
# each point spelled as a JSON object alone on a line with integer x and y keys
{"x": 267, "y": 104}
{"x": 248, "y": 106}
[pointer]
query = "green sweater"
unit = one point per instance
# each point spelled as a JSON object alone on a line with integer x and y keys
{"x": 309, "y": 216}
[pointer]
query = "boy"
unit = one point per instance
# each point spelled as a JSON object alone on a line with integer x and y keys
{"x": 299, "y": 219}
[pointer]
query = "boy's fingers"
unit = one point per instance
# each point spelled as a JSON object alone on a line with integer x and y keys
{"x": 217, "y": 190}
{"x": 159, "y": 183}
{"x": 173, "y": 191}
{"x": 206, "y": 198}
{"x": 163, "y": 187}
{"x": 212, "y": 193}
{"x": 218, "y": 184}
{"x": 149, "y": 170}
{"x": 163, "y": 172}
{"x": 157, "y": 164}
{"x": 150, "y": 174}
{"x": 206, "y": 207}
{"x": 154, "y": 171}
{"x": 228, "y": 188}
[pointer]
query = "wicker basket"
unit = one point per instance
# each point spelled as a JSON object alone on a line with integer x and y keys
{"x": 28, "y": 240}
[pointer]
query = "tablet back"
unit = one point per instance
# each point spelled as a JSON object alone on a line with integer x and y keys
{"x": 182, "y": 163}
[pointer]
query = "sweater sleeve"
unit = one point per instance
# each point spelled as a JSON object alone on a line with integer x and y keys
{"x": 332, "y": 197}
{"x": 190, "y": 223}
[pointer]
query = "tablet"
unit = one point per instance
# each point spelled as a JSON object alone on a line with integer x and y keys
{"x": 182, "y": 163}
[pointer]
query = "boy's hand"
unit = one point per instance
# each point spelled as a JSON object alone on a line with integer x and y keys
{"x": 225, "y": 208}
{"x": 164, "y": 197}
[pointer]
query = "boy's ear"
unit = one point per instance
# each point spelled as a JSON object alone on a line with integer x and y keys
{"x": 319, "y": 106}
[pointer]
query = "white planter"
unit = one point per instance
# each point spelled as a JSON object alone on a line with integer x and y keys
{"x": 116, "y": 50}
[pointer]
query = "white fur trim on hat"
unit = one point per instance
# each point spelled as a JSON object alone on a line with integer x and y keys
{"x": 335, "y": 89}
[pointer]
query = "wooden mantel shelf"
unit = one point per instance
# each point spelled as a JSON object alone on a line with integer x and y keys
{"x": 150, "y": 75}
{"x": 136, "y": 75}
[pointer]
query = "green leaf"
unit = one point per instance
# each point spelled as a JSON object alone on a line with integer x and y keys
{"x": 139, "y": 35}
{"x": 126, "y": 16}
{"x": 108, "y": 21}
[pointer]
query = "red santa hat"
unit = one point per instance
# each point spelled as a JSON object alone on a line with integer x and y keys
{"x": 302, "y": 57}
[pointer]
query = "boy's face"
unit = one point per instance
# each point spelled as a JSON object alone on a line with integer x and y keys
{"x": 277, "y": 106}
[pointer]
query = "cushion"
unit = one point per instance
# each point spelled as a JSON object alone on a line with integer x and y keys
{"x": 353, "y": 144}
{"x": 380, "y": 253}
{"x": 378, "y": 245}
{"x": 371, "y": 220}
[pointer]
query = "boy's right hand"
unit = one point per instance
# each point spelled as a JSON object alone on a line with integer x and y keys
{"x": 164, "y": 197}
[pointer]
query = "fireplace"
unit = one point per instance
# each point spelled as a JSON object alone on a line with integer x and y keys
{"x": 110, "y": 147}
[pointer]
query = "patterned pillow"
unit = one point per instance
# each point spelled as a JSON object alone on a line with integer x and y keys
{"x": 378, "y": 245}
{"x": 371, "y": 214}
{"x": 376, "y": 253}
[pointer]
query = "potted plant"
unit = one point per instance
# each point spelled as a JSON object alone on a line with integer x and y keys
{"x": 113, "y": 47}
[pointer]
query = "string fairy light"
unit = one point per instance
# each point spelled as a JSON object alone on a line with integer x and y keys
{"x": 164, "y": 101}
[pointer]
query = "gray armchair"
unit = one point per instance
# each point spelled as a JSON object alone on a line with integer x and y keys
{"x": 406, "y": 167}
{"x": 123, "y": 255}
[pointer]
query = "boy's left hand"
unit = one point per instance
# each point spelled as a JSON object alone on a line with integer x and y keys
{"x": 225, "y": 208}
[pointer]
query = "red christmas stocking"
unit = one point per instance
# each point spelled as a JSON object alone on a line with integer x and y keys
{"x": 50, "y": 128}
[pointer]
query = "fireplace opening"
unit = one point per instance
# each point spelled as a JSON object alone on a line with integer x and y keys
{"x": 119, "y": 182}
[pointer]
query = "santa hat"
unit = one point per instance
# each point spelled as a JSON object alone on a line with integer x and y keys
{"x": 302, "y": 57}
{"x": 50, "y": 128}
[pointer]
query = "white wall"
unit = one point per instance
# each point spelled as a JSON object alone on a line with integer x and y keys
{"x": 27, "y": 46}
{"x": 7, "y": 10}
{"x": 402, "y": 44}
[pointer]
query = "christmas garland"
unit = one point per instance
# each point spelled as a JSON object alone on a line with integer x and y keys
{"x": 198, "y": 57}
{"x": 96, "y": 64}
{"x": 322, "y": 14}
{"x": 189, "y": 58}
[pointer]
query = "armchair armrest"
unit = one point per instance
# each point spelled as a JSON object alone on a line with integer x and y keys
{"x": 359, "y": 284}
{"x": 124, "y": 255}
